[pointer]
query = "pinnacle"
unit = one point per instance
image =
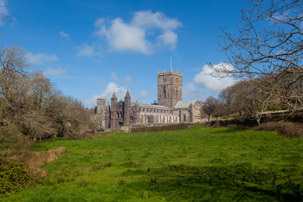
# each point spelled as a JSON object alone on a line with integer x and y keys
{"x": 127, "y": 93}
{"x": 114, "y": 95}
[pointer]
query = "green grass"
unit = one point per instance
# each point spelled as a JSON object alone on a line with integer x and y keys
{"x": 196, "y": 164}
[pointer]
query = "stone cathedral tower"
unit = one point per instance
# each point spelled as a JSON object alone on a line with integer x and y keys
{"x": 169, "y": 88}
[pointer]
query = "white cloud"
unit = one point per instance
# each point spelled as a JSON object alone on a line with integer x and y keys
{"x": 121, "y": 36}
{"x": 107, "y": 94}
{"x": 215, "y": 85}
{"x": 115, "y": 77}
{"x": 87, "y": 51}
{"x": 64, "y": 35}
{"x": 143, "y": 94}
{"x": 55, "y": 71}
{"x": 41, "y": 58}
{"x": 3, "y": 11}
{"x": 191, "y": 92}
{"x": 148, "y": 19}
{"x": 168, "y": 38}
{"x": 132, "y": 36}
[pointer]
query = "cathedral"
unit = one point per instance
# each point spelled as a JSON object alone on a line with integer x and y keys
{"x": 170, "y": 109}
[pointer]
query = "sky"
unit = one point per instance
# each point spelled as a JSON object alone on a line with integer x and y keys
{"x": 89, "y": 48}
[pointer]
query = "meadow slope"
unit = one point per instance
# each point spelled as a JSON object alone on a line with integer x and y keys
{"x": 196, "y": 164}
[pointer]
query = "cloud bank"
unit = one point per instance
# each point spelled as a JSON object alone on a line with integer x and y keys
{"x": 142, "y": 34}
{"x": 107, "y": 94}
{"x": 215, "y": 85}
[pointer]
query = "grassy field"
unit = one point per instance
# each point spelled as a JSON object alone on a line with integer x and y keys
{"x": 196, "y": 164}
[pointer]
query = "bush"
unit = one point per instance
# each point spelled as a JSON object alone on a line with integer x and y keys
{"x": 274, "y": 108}
{"x": 13, "y": 177}
{"x": 12, "y": 141}
{"x": 288, "y": 129}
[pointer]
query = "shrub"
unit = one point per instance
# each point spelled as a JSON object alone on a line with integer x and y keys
{"x": 274, "y": 108}
{"x": 13, "y": 176}
{"x": 288, "y": 129}
{"x": 12, "y": 141}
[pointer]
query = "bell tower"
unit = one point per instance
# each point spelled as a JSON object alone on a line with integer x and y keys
{"x": 169, "y": 88}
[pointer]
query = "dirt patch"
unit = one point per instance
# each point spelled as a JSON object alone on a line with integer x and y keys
{"x": 34, "y": 160}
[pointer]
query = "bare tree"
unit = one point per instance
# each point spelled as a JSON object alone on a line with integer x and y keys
{"x": 4, "y": 13}
{"x": 210, "y": 106}
{"x": 29, "y": 101}
{"x": 227, "y": 98}
{"x": 246, "y": 98}
{"x": 269, "y": 44}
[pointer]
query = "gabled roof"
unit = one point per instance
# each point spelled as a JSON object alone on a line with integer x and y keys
{"x": 152, "y": 106}
{"x": 184, "y": 104}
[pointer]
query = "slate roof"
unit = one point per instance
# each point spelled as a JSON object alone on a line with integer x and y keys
{"x": 184, "y": 104}
{"x": 152, "y": 106}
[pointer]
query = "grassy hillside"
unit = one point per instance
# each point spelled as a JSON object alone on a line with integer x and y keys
{"x": 196, "y": 164}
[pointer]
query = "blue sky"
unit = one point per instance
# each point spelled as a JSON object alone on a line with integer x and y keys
{"x": 89, "y": 48}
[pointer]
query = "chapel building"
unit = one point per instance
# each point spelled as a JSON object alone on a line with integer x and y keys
{"x": 170, "y": 108}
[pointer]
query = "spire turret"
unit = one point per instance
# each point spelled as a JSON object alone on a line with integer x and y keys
{"x": 127, "y": 93}
{"x": 114, "y": 95}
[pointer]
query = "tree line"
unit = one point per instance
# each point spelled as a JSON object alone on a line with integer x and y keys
{"x": 243, "y": 100}
{"x": 31, "y": 108}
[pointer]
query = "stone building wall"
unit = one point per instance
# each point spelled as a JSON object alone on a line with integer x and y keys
{"x": 156, "y": 114}
{"x": 100, "y": 113}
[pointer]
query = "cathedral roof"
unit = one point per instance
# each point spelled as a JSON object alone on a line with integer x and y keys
{"x": 152, "y": 106}
{"x": 184, "y": 104}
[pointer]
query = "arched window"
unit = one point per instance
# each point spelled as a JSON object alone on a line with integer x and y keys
{"x": 164, "y": 92}
{"x": 177, "y": 95}
{"x": 184, "y": 117}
